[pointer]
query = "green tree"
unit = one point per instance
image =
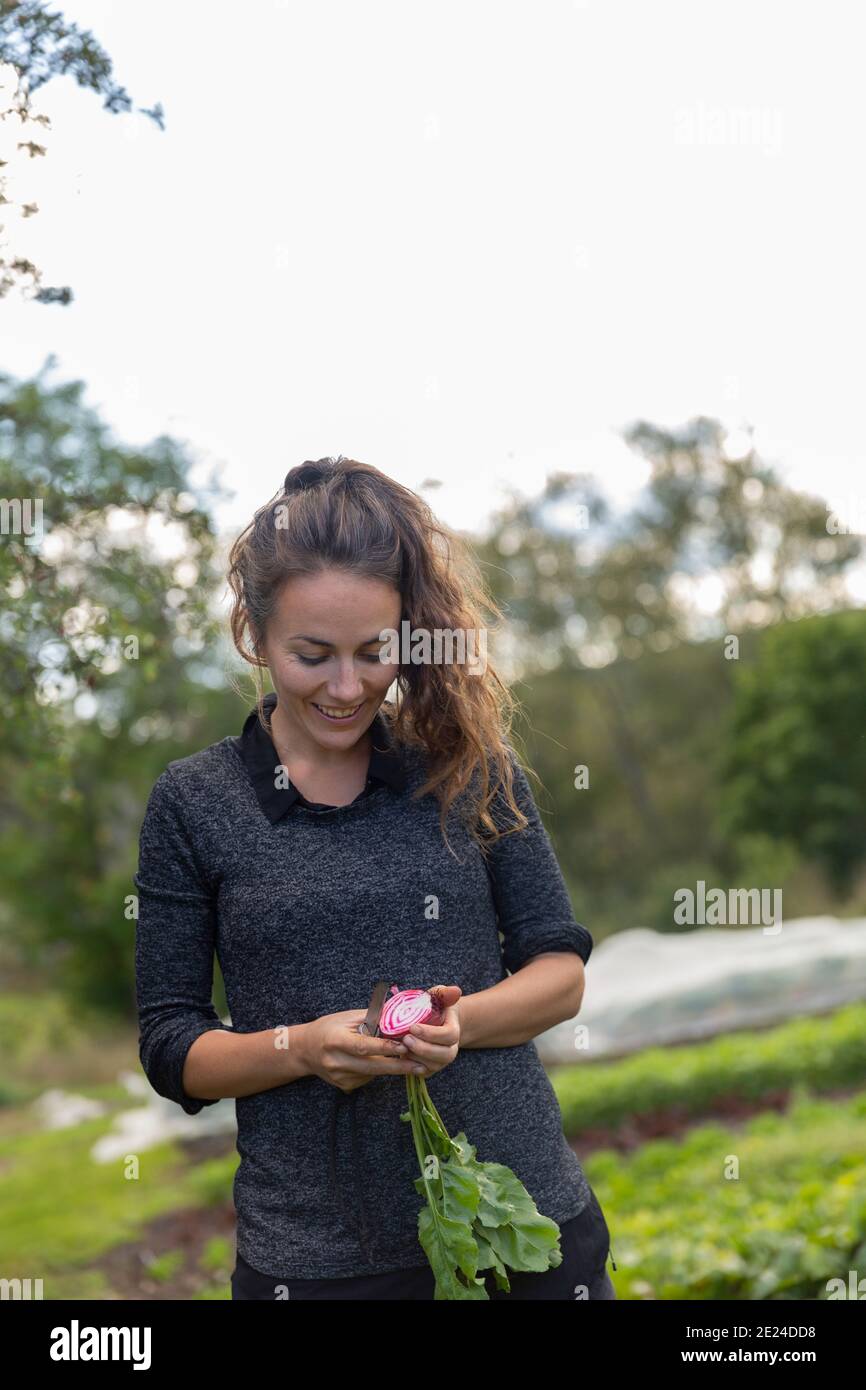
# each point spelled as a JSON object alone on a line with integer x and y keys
{"x": 795, "y": 762}
{"x": 583, "y": 586}
{"x": 108, "y": 669}
{"x": 587, "y": 589}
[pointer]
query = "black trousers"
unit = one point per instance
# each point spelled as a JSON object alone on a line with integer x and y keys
{"x": 585, "y": 1243}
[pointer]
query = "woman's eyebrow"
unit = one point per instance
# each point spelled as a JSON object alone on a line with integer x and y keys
{"x": 320, "y": 641}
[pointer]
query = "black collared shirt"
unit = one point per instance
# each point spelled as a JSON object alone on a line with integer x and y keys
{"x": 268, "y": 775}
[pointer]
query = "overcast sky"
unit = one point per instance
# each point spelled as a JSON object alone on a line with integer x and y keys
{"x": 469, "y": 242}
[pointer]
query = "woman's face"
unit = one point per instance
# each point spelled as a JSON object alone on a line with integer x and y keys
{"x": 322, "y": 649}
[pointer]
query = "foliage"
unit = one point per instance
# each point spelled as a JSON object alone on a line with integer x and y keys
{"x": 825, "y": 1052}
{"x": 774, "y": 1210}
{"x": 583, "y": 584}
{"x": 794, "y": 764}
{"x": 107, "y": 671}
{"x": 647, "y": 733}
{"x": 37, "y": 44}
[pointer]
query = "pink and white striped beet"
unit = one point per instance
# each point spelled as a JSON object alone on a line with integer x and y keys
{"x": 410, "y": 1006}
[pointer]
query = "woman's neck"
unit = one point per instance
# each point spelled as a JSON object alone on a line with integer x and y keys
{"x": 324, "y": 770}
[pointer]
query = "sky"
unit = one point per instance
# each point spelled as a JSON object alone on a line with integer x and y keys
{"x": 462, "y": 242}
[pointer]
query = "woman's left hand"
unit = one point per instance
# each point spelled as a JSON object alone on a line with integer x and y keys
{"x": 434, "y": 1045}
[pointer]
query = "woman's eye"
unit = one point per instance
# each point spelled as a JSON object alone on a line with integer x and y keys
{"x": 317, "y": 660}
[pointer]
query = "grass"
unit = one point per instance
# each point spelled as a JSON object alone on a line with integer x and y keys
{"x": 60, "y": 1209}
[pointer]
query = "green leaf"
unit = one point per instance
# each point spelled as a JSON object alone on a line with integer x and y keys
{"x": 435, "y": 1129}
{"x": 460, "y": 1192}
{"x": 465, "y": 1150}
{"x": 448, "y": 1244}
{"x": 488, "y": 1259}
{"x": 476, "y": 1216}
{"x": 503, "y": 1196}
{"x": 521, "y": 1237}
{"x": 518, "y": 1250}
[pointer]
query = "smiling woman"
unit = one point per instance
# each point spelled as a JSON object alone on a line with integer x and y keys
{"x": 327, "y": 701}
{"x": 321, "y": 576}
{"x": 344, "y": 838}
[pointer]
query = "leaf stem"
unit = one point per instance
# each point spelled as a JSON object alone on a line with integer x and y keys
{"x": 419, "y": 1134}
{"x": 422, "y": 1085}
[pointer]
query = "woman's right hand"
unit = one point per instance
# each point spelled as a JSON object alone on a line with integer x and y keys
{"x": 339, "y": 1054}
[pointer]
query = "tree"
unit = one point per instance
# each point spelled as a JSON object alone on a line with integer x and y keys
{"x": 795, "y": 764}
{"x": 585, "y": 588}
{"x": 714, "y": 545}
{"x": 108, "y": 668}
{"x": 36, "y": 45}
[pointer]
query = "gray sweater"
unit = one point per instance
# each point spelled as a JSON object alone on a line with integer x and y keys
{"x": 306, "y": 907}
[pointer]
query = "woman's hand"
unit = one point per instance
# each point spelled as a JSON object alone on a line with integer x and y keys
{"x": 437, "y": 1044}
{"x": 335, "y": 1051}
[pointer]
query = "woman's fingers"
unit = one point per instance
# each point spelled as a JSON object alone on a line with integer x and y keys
{"x": 439, "y": 1037}
{"x": 375, "y": 1063}
{"x": 431, "y": 1054}
{"x": 447, "y": 996}
{"x": 444, "y": 1034}
{"x": 437, "y": 1044}
{"x": 425, "y": 1049}
{"x": 380, "y": 1066}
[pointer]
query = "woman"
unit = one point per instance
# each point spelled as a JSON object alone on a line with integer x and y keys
{"x": 343, "y": 839}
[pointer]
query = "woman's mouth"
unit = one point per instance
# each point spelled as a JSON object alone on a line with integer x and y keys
{"x": 338, "y": 714}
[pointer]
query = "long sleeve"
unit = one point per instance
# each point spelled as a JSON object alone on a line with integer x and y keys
{"x": 174, "y": 947}
{"x": 528, "y": 887}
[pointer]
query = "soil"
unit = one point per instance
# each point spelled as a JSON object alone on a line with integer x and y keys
{"x": 672, "y": 1122}
{"x": 186, "y": 1231}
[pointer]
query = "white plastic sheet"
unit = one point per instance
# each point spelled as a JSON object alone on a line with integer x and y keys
{"x": 645, "y": 988}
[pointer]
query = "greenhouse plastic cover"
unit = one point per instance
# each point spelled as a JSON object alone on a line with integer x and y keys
{"x": 644, "y": 988}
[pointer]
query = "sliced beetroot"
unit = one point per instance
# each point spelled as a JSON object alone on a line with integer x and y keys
{"x": 403, "y": 1010}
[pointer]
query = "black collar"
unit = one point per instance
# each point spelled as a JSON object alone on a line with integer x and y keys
{"x": 262, "y": 761}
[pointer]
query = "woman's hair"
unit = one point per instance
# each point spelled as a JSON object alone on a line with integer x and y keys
{"x": 345, "y": 515}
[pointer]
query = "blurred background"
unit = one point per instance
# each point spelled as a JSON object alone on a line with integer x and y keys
{"x": 588, "y": 279}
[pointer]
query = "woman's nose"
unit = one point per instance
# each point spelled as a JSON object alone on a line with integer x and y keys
{"x": 347, "y": 686}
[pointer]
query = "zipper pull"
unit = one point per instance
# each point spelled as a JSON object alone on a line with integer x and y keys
{"x": 612, "y": 1260}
